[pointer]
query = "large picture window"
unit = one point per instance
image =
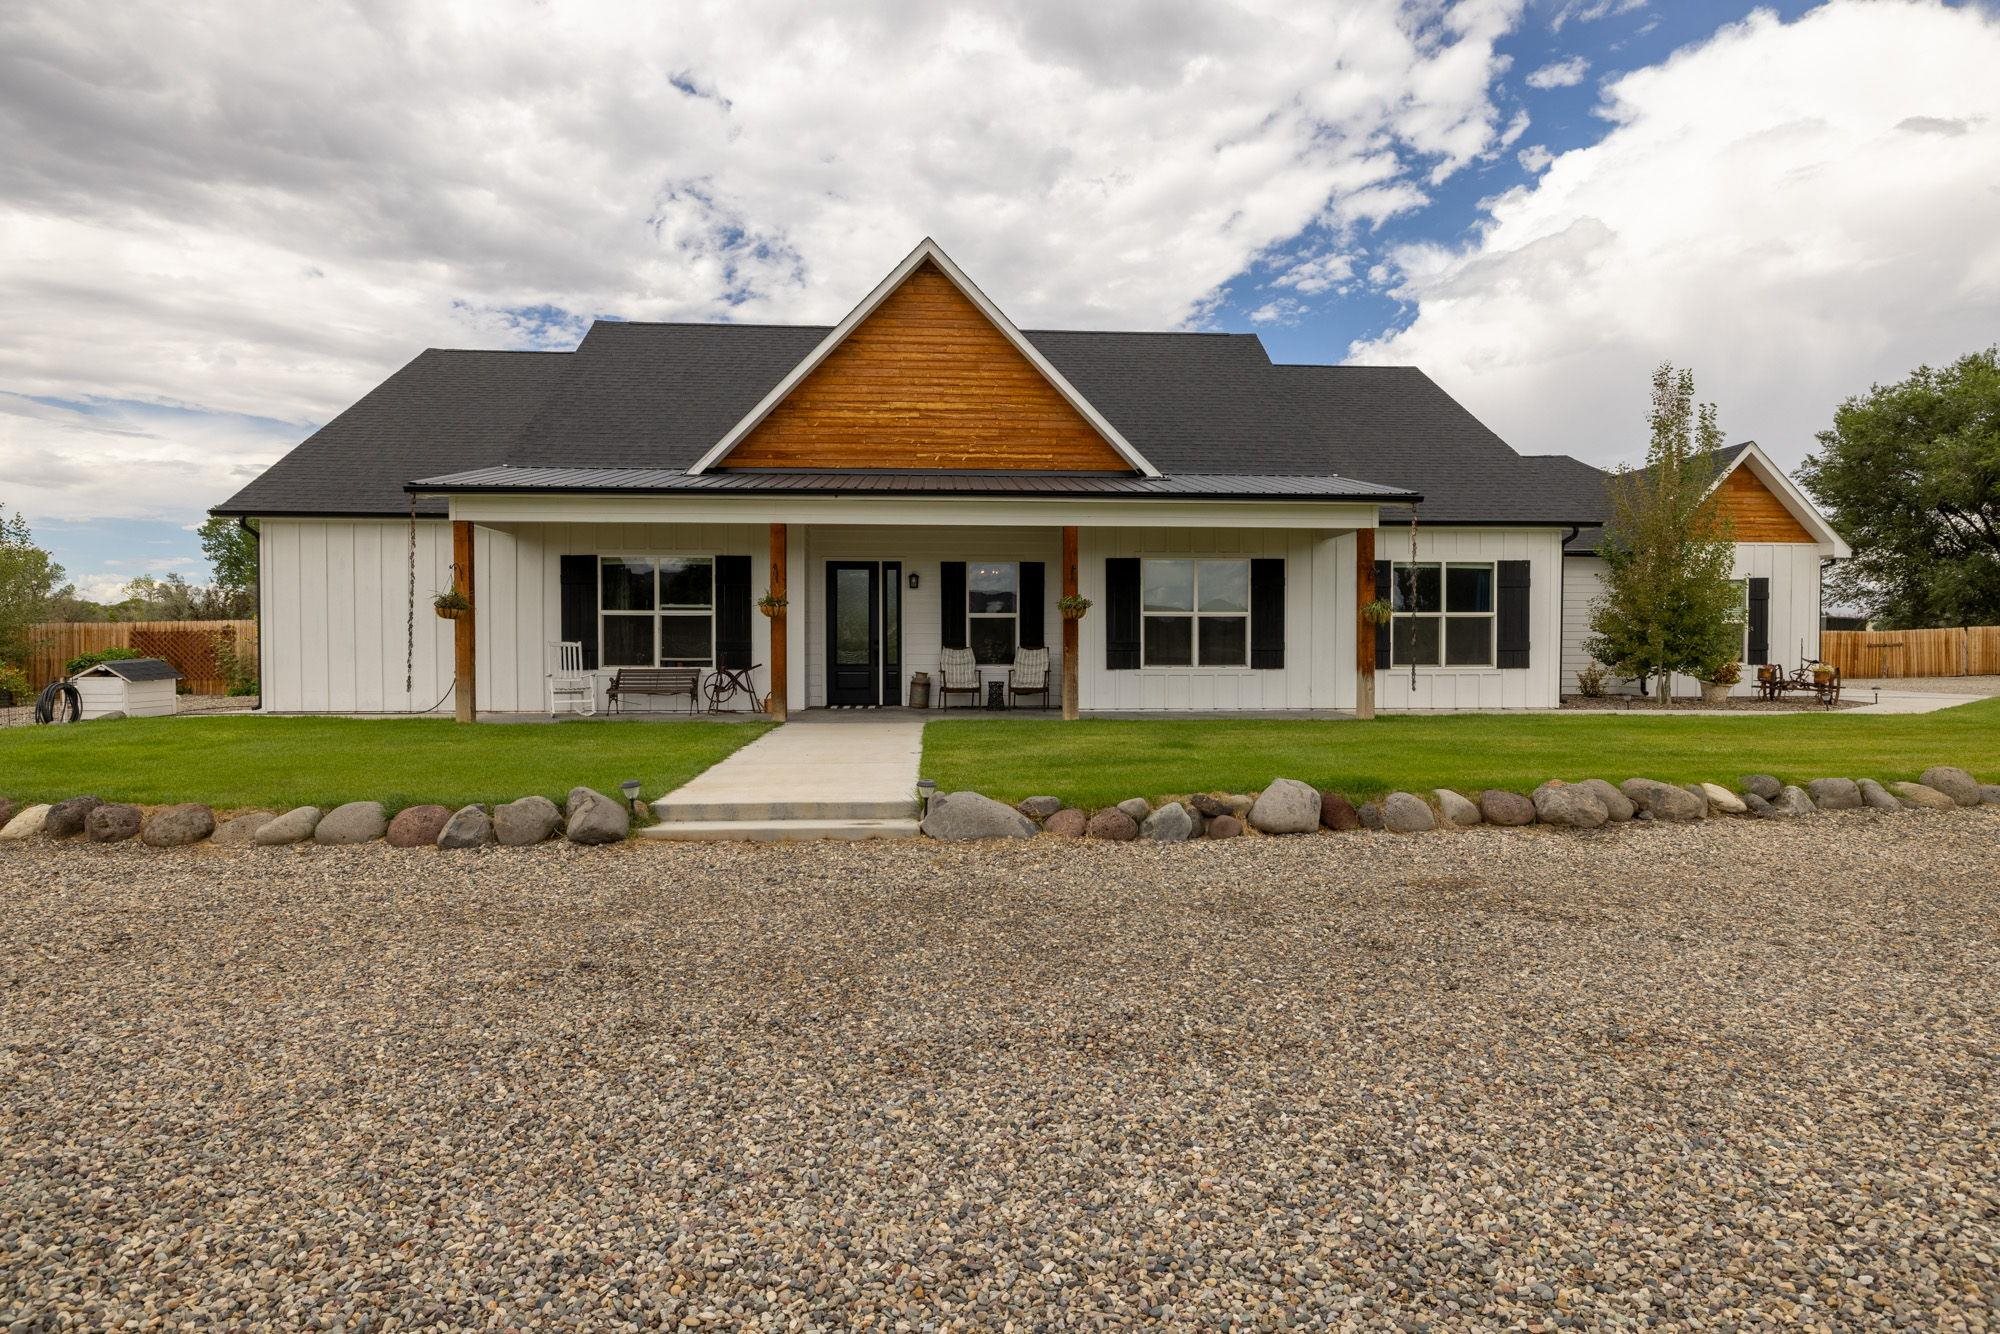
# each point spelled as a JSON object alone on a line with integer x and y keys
{"x": 1443, "y": 615}
{"x": 656, "y": 611}
{"x": 993, "y": 611}
{"x": 1197, "y": 613}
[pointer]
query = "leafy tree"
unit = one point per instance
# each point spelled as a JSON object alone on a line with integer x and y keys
{"x": 29, "y": 580}
{"x": 172, "y": 598}
{"x": 1671, "y": 602}
{"x": 1910, "y": 475}
{"x": 231, "y": 552}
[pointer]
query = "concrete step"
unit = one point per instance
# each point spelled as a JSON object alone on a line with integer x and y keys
{"x": 672, "y": 810}
{"x": 778, "y": 831}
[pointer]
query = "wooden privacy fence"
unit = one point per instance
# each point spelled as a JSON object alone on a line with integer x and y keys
{"x": 1967, "y": 651}
{"x": 188, "y": 645}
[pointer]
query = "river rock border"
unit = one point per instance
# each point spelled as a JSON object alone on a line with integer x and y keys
{"x": 587, "y": 817}
{"x": 1288, "y": 806}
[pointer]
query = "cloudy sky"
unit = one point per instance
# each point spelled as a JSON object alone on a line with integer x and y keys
{"x": 221, "y": 224}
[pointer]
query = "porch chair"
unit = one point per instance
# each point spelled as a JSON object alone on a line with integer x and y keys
{"x": 960, "y": 676}
{"x": 569, "y": 684}
{"x": 1029, "y": 675}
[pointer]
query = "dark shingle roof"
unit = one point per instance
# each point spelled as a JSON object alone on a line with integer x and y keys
{"x": 139, "y": 669}
{"x": 656, "y": 397}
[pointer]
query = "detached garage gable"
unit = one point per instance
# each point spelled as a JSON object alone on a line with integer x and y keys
{"x": 925, "y": 375}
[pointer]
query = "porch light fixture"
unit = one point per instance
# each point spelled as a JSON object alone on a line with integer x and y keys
{"x": 913, "y": 580}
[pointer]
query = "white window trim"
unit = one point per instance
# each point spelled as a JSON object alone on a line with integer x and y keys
{"x": 1194, "y": 646}
{"x": 1445, "y": 613}
{"x": 657, "y": 611}
{"x": 1014, "y": 615}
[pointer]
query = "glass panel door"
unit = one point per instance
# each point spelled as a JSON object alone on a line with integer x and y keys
{"x": 853, "y": 632}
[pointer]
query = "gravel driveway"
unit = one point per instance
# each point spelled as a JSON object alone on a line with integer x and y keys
{"x": 1738, "y": 1073}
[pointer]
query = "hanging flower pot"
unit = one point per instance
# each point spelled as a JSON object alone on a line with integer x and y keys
{"x": 771, "y": 604}
{"x": 1073, "y": 606}
{"x": 452, "y": 604}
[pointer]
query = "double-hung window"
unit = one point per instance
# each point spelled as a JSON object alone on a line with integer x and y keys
{"x": 1197, "y": 613}
{"x": 656, "y": 611}
{"x": 1443, "y": 614}
{"x": 993, "y": 611}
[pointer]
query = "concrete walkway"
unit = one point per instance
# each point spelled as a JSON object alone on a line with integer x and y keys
{"x": 833, "y": 775}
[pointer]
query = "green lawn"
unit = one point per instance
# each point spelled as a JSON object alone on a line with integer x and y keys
{"x": 241, "y": 761}
{"x": 1096, "y": 762}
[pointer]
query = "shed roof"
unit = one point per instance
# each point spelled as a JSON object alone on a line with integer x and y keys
{"x": 135, "y": 669}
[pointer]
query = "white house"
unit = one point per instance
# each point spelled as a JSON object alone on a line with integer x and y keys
{"x": 922, "y": 476}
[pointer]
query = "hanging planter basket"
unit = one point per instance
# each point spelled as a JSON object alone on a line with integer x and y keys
{"x": 770, "y": 604}
{"x": 452, "y": 605}
{"x": 1073, "y": 607}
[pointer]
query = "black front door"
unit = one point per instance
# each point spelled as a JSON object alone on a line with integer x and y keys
{"x": 853, "y": 632}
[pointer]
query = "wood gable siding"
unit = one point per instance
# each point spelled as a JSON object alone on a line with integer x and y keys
{"x": 1755, "y": 513}
{"x": 926, "y": 381}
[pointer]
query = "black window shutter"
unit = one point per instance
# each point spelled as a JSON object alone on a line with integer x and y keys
{"x": 1382, "y": 628}
{"x": 1513, "y": 627}
{"x": 1267, "y": 613}
{"x": 1031, "y": 605}
{"x": 579, "y": 605}
{"x": 1121, "y": 614}
{"x": 1760, "y": 622}
{"x": 951, "y": 604}
{"x": 732, "y": 611}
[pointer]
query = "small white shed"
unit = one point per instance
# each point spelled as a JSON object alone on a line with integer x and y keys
{"x": 137, "y": 687}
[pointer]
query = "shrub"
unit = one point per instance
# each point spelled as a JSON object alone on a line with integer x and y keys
{"x": 83, "y": 660}
{"x": 239, "y": 670}
{"x": 14, "y": 682}
{"x": 1593, "y": 681}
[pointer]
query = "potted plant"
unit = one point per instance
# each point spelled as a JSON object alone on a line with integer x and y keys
{"x": 452, "y": 603}
{"x": 1378, "y": 612}
{"x": 1716, "y": 681}
{"x": 772, "y": 603}
{"x": 1073, "y": 606}
{"x": 1822, "y": 672}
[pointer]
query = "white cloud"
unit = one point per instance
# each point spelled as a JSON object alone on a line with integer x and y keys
{"x": 259, "y": 216}
{"x": 1794, "y": 210}
{"x": 1320, "y": 273}
{"x": 1590, "y": 11}
{"x": 1534, "y": 157}
{"x": 1283, "y": 310}
{"x": 1559, "y": 74}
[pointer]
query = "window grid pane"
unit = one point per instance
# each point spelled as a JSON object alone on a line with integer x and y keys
{"x": 992, "y": 640}
{"x": 992, "y": 588}
{"x": 1224, "y": 585}
{"x": 1169, "y": 641}
{"x": 1224, "y": 641}
{"x": 627, "y": 583}
{"x": 1414, "y": 641}
{"x": 1469, "y": 588}
{"x": 687, "y": 582}
{"x": 628, "y": 640}
{"x": 1468, "y": 641}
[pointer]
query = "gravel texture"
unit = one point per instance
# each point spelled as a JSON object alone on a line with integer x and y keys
{"x": 1723, "y": 1075}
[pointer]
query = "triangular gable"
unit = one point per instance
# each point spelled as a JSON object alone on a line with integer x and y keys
{"x": 926, "y": 374}
{"x": 1762, "y": 505}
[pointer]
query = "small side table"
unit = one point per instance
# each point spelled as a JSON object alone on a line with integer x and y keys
{"x": 996, "y": 693}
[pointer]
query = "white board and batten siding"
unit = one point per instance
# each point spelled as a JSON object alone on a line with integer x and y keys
{"x": 1793, "y": 569}
{"x": 1536, "y": 686}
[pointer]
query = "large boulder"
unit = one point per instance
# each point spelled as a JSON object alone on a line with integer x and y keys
{"x": 26, "y": 823}
{"x": 1113, "y": 824}
{"x": 1763, "y": 785}
{"x": 1212, "y": 804}
{"x": 1169, "y": 824}
{"x": 1793, "y": 801}
{"x": 113, "y": 822}
{"x": 178, "y": 826}
{"x": 468, "y": 827}
{"x": 1506, "y": 808}
{"x": 1664, "y": 801}
{"x": 1835, "y": 794}
{"x": 1759, "y": 807}
{"x": 241, "y": 829}
{"x": 1876, "y": 797}
{"x": 1337, "y": 813}
{"x": 1406, "y": 813}
{"x": 1954, "y": 782}
{"x": 957, "y": 816}
{"x": 1617, "y": 806}
{"x": 418, "y": 826}
{"x": 294, "y": 826}
{"x": 1069, "y": 822}
{"x": 356, "y": 822}
{"x": 1569, "y": 805}
{"x": 529, "y": 820}
{"x": 1136, "y": 807}
{"x": 1039, "y": 808}
{"x": 1370, "y": 814}
{"x": 1722, "y": 799}
{"x": 595, "y": 818}
{"x": 1456, "y": 809}
{"x": 1223, "y": 826}
{"x": 67, "y": 817}
{"x": 1920, "y": 797}
{"x": 1990, "y": 793}
{"x": 1287, "y": 806}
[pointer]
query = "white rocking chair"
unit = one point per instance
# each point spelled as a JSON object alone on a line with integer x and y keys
{"x": 569, "y": 684}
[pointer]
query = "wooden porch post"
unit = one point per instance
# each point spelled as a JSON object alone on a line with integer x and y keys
{"x": 780, "y": 665}
{"x": 1069, "y": 625}
{"x": 464, "y": 630}
{"x": 1364, "y": 629}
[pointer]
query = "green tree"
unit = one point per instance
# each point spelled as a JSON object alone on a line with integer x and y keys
{"x": 1671, "y": 602}
{"x": 1910, "y": 475}
{"x": 29, "y": 580}
{"x": 172, "y": 598}
{"x": 232, "y": 554}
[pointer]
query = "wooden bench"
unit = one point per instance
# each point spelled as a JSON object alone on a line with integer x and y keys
{"x": 667, "y": 681}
